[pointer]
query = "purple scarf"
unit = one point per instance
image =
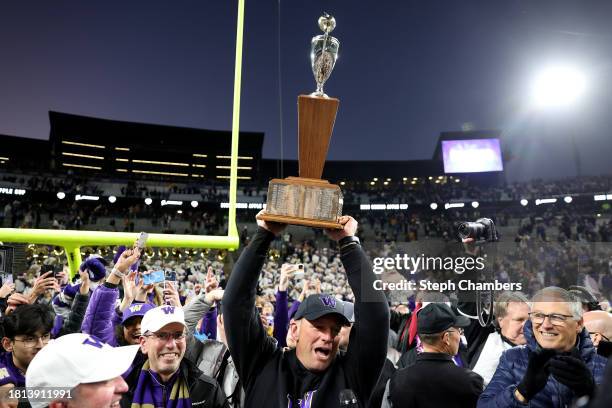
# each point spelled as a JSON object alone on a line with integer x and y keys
{"x": 151, "y": 391}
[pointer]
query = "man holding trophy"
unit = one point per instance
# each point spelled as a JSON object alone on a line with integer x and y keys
{"x": 315, "y": 373}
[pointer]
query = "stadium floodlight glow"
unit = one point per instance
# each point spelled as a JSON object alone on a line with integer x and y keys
{"x": 433, "y": 206}
{"x": 112, "y": 199}
{"x": 372, "y": 183}
{"x": 475, "y": 204}
{"x": 567, "y": 199}
{"x": 170, "y": 202}
{"x": 179, "y": 211}
{"x": 545, "y": 201}
{"x": 194, "y": 204}
{"x": 364, "y": 207}
{"x": 558, "y": 86}
{"x": 79, "y": 197}
{"x": 453, "y": 205}
{"x": 602, "y": 197}
{"x": 386, "y": 183}
{"x": 524, "y": 202}
{"x": 61, "y": 195}
{"x": 148, "y": 201}
{"x": 378, "y": 207}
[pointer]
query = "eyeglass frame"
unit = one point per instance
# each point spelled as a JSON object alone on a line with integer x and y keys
{"x": 562, "y": 318}
{"x": 601, "y": 334}
{"x": 45, "y": 338}
{"x": 165, "y": 336}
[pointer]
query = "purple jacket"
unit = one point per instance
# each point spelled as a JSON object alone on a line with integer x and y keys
{"x": 9, "y": 374}
{"x": 101, "y": 314}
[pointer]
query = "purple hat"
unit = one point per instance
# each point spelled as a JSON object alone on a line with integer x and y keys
{"x": 136, "y": 309}
{"x": 95, "y": 267}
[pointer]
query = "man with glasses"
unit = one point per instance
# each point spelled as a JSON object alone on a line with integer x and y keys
{"x": 557, "y": 366}
{"x": 434, "y": 380}
{"x": 160, "y": 376}
{"x": 26, "y": 331}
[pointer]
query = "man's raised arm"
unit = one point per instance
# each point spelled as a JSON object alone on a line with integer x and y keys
{"x": 367, "y": 348}
{"x": 246, "y": 337}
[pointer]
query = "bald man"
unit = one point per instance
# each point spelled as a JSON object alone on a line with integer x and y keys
{"x": 599, "y": 325}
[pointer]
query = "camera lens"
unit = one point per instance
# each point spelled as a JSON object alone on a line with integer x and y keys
{"x": 474, "y": 230}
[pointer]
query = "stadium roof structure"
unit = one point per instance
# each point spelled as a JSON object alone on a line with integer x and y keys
{"x": 118, "y": 147}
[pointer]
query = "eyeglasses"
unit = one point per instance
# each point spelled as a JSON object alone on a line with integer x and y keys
{"x": 459, "y": 330}
{"x": 32, "y": 341}
{"x": 165, "y": 336}
{"x": 601, "y": 334}
{"x": 556, "y": 319}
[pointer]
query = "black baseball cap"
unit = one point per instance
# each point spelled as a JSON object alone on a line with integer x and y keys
{"x": 319, "y": 305}
{"x": 438, "y": 317}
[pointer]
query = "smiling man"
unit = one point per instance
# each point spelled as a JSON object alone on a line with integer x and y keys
{"x": 556, "y": 366}
{"x": 314, "y": 374}
{"x": 160, "y": 376}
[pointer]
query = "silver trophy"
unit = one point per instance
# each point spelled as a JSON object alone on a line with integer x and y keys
{"x": 324, "y": 53}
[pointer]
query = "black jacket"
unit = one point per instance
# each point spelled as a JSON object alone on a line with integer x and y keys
{"x": 201, "y": 387}
{"x": 435, "y": 381}
{"x": 273, "y": 377}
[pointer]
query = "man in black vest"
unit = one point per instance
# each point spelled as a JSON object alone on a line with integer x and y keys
{"x": 434, "y": 380}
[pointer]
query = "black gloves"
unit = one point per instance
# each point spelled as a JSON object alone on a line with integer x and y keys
{"x": 605, "y": 348}
{"x": 573, "y": 373}
{"x": 537, "y": 373}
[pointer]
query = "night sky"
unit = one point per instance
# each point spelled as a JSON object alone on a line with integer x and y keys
{"x": 407, "y": 71}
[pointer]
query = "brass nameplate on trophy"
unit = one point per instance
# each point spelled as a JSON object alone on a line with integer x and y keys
{"x": 302, "y": 201}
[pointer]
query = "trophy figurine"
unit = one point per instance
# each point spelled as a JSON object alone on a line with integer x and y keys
{"x": 307, "y": 200}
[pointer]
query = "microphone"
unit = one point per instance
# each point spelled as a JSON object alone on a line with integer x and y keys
{"x": 348, "y": 399}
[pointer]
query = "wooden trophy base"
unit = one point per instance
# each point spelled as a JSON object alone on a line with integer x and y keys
{"x": 303, "y": 201}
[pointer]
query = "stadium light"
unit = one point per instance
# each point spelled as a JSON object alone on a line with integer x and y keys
{"x": 433, "y": 206}
{"x": 558, "y": 86}
{"x": 170, "y": 202}
{"x": 475, "y": 204}
{"x": 148, "y": 201}
{"x": 567, "y": 199}
{"x": 79, "y": 197}
{"x": 545, "y": 201}
{"x": 112, "y": 199}
{"x": 524, "y": 202}
{"x": 194, "y": 204}
{"x": 61, "y": 195}
{"x": 453, "y": 205}
{"x": 179, "y": 211}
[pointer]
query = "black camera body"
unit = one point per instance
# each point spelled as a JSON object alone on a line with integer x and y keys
{"x": 482, "y": 230}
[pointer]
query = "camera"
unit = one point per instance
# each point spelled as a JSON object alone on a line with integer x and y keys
{"x": 482, "y": 230}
